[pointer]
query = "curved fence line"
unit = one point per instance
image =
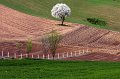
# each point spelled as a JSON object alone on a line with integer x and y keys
{"x": 47, "y": 56}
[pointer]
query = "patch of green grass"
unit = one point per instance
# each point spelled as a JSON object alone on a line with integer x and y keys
{"x": 44, "y": 69}
{"x": 109, "y": 10}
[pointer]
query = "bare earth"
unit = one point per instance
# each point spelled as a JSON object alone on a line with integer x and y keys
{"x": 17, "y": 26}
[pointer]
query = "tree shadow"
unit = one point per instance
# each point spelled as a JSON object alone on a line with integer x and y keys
{"x": 63, "y": 25}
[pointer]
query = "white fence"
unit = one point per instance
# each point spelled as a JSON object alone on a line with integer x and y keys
{"x": 48, "y": 56}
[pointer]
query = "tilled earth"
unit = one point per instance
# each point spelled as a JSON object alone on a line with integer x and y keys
{"x": 18, "y": 26}
{"x": 97, "y": 57}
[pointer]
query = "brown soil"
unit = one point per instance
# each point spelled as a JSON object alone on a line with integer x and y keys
{"x": 97, "y": 57}
{"x": 18, "y": 26}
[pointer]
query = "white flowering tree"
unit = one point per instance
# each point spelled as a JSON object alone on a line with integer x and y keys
{"x": 61, "y": 11}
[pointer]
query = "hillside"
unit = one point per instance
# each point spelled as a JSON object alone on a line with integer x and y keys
{"x": 81, "y": 9}
{"x": 86, "y": 51}
{"x": 93, "y": 37}
{"x": 16, "y": 25}
{"x": 20, "y": 26}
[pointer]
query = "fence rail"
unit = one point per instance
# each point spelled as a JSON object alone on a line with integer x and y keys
{"x": 48, "y": 56}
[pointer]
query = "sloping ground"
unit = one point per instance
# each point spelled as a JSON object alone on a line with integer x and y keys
{"x": 81, "y": 10}
{"x": 16, "y": 25}
{"x": 92, "y": 37}
{"x": 19, "y": 26}
{"x": 11, "y": 48}
{"x": 97, "y": 57}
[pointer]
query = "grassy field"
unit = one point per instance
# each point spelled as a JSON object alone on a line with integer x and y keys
{"x": 81, "y": 9}
{"x": 44, "y": 69}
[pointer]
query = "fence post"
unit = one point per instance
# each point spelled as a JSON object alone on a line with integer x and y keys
{"x": 8, "y": 55}
{"x": 2, "y": 53}
{"x": 21, "y": 56}
{"x": 67, "y": 54}
{"x": 15, "y": 55}
{"x": 75, "y": 53}
{"x": 32, "y": 55}
{"x": 48, "y": 56}
{"x": 71, "y": 54}
{"x": 58, "y": 55}
{"x": 43, "y": 56}
{"x": 38, "y": 56}
{"x": 63, "y": 55}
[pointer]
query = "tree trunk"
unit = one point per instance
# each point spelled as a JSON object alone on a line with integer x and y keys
{"x": 53, "y": 55}
{"x": 63, "y": 19}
